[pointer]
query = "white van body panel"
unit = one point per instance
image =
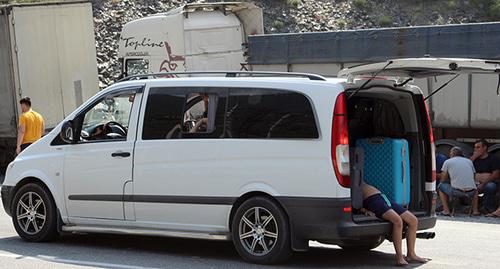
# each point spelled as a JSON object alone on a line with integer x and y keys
{"x": 42, "y": 162}
{"x": 266, "y": 162}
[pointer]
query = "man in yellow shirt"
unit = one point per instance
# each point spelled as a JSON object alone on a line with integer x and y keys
{"x": 31, "y": 126}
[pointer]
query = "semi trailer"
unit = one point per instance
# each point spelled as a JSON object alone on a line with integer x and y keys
{"x": 47, "y": 52}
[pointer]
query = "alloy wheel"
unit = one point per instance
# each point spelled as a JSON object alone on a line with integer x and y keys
{"x": 31, "y": 213}
{"x": 258, "y": 231}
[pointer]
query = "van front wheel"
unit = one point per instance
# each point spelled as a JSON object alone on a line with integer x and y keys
{"x": 260, "y": 231}
{"x": 34, "y": 213}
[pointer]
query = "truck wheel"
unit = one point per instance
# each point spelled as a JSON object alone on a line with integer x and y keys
{"x": 260, "y": 232}
{"x": 495, "y": 150}
{"x": 34, "y": 213}
{"x": 443, "y": 146}
{"x": 361, "y": 245}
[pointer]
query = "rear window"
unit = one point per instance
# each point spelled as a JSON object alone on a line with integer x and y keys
{"x": 269, "y": 113}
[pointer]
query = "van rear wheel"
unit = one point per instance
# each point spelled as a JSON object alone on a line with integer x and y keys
{"x": 261, "y": 232}
{"x": 34, "y": 213}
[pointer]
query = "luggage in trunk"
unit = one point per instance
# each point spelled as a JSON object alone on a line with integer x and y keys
{"x": 387, "y": 166}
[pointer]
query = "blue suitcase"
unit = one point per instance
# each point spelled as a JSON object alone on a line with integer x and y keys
{"x": 387, "y": 166}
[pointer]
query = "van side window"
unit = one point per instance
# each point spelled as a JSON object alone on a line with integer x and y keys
{"x": 173, "y": 113}
{"x": 163, "y": 116}
{"x": 107, "y": 119}
{"x": 269, "y": 113}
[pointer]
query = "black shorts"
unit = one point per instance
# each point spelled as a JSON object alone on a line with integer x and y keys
{"x": 378, "y": 205}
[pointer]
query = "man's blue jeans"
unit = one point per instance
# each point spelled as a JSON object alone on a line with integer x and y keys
{"x": 489, "y": 190}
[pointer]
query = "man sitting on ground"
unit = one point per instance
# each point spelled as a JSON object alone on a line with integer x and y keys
{"x": 457, "y": 180}
{"x": 487, "y": 173}
{"x": 376, "y": 203}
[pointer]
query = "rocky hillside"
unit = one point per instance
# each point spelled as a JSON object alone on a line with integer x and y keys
{"x": 294, "y": 16}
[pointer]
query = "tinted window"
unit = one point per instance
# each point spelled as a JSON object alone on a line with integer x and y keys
{"x": 184, "y": 113}
{"x": 163, "y": 115}
{"x": 267, "y": 113}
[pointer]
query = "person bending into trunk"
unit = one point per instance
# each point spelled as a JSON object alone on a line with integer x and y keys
{"x": 376, "y": 203}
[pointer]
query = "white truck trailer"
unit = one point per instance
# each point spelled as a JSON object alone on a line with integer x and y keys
{"x": 47, "y": 52}
{"x": 193, "y": 37}
{"x": 467, "y": 109}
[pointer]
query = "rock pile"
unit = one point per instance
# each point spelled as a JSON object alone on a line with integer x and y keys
{"x": 279, "y": 17}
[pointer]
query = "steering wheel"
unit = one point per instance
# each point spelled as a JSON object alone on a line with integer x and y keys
{"x": 107, "y": 128}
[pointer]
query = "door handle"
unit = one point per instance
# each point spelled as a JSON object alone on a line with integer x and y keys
{"x": 120, "y": 154}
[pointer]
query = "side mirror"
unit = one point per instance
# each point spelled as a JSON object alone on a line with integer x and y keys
{"x": 68, "y": 132}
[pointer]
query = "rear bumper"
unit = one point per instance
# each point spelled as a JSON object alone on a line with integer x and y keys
{"x": 7, "y": 193}
{"x": 329, "y": 219}
{"x": 360, "y": 230}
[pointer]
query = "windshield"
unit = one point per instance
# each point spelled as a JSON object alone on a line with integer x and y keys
{"x": 136, "y": 67}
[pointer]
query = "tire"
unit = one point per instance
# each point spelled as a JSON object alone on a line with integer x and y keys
{"x": 443, "y": 146}
{"x": 361, "y": 245}
{"x": 262, "y": 241}
{"x": 34, "y": 213}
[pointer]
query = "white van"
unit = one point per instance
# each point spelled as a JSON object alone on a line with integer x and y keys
{"x": 262, "y": 159}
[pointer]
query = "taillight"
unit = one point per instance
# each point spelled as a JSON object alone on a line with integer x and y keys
{"x": 340, "y": 142}
{"x": 431, "y": 138}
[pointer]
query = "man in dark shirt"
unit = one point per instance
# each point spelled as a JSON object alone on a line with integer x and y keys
{"x": 487, "y": 173}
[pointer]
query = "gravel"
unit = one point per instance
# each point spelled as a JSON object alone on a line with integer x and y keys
{"x": 281, "y": 17}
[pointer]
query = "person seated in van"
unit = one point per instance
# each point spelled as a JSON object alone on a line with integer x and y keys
{"x": 201, "y": 124}
{"x": 376, "y": 203}
{"x": 457, "y": 180}
{"x": 487, "y": 173}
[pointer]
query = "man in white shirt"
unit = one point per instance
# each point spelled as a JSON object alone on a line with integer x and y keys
{"x": 457, "y": 180}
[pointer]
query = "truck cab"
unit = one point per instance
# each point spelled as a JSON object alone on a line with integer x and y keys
{"x": 200, "y": 37}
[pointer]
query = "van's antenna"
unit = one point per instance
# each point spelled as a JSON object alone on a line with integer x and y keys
{"x": 440, "y": 87}
{"x": 370, "y": 79}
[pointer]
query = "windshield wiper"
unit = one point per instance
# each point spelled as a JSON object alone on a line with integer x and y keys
{"x": 368, "y": 81}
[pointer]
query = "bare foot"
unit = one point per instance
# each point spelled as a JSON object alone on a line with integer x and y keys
{"x": 416, "y": 259}
{"x": 400, "y": 261}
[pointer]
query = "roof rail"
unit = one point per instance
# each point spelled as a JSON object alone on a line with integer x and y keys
{"x": 226, "y": 73}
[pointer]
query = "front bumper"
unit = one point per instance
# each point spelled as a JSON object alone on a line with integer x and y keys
{"x": 7, "y": 195}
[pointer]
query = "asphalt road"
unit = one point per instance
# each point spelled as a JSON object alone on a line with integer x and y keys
{"x": 460, "y": 243}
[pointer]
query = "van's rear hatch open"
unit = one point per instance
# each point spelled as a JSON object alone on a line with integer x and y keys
{"x": 424, "y": 67}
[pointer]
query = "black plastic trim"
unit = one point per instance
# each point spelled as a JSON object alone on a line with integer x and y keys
{"x": 167, "y": 199}
{"x": 311, "y": 218}
{"x": 7, "y": 195}
{"x": 325, "y": 219}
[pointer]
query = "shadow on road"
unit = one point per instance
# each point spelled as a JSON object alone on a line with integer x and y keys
{"x": 179, "y": 253}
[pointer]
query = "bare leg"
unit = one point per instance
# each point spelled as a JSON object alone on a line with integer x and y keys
{"x": 475, "y": 208}
{"x": 444, "y": 201}
{"x": 411, "y": 237}
{"x": 495, "y": 213}
{"x": 397, "y": 234}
